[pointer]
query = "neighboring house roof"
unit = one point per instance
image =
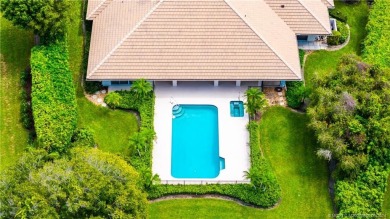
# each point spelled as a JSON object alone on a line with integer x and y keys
{"x": 303, "y": 16}
{"x": 190, "y": 40}
{"x": 328, "y": 3}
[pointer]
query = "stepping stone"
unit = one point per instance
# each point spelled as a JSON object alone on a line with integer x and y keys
{"x": 94, "y": 97}
{"x": 281, "y": 99}
{"x": 280, "y": 94}
{"x": 97, "y": 92}
{"x": 104, "y": 105}
{"x": 281, "y": 103}
{"x": 99, "y": 100}
{"x": 103, "y": 91}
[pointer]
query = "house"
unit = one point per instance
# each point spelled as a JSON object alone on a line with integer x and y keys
{"x": 204, "y": 40}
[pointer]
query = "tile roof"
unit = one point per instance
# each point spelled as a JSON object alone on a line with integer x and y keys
{"x": 190, "y": 40}
{"x": 328, "y": 3}
{"x": 303, "y": 16}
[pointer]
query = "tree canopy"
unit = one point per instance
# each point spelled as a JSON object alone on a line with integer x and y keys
{"x": 47, "y": 18}
{"x": 90, "y": 183}
{"x": 350, "y": 114}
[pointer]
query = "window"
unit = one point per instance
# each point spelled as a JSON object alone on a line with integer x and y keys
{"x": 302, "y": 37}
{"x": 119, "y": 82}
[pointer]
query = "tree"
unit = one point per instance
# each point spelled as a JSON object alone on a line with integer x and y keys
{"x": 350, "y": 115}
{"x": 141, "y": 88}
{"x": 89, "y": 184}
{"x": 46, "y": 18}
{"x": 255, "y": 101}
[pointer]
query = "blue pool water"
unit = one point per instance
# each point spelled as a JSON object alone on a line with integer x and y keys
{"x": 195, "y": 145}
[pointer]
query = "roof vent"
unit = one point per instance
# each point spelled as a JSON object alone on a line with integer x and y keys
{"x": 282, "y": 6}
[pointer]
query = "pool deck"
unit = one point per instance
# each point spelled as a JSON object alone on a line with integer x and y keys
{"x": 233, "y": 135}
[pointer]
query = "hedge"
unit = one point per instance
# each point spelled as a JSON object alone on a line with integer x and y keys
{"x": 377, "y": 43}
{"x": 334, "y": 39}
{"x": 342, "y": 28}
{"x": 295, "y": 94}
{"x": 53, "y": 97}
{"x": 264, "y": 191}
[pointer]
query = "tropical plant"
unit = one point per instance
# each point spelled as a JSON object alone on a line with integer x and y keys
{"x": 46, "y": 18}
{"x": 141, "y": 88}
{"x": 138, "y": 142}
{"x": 113, "y": 99}
{"x": 255, "y": 101}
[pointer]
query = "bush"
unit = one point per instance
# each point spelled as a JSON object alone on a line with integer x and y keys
{"x": 364, "y": 195}
{"x": 92, "y": 87}
{"x": 295, "y": 94}
{"x": 83, "y": 138}
{"x": 113, "y": 99}
{"x": 334, "y": 39}
{"x": 342, "y": 28}
{"x": 53, "y": 97}
{"x": 377, "y": 44}
{"x": 335, "y": 13}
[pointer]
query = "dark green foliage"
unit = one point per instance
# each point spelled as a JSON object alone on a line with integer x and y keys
{"x": 53, "y": 97}
{"x": 25, "y": 103}
{"x": 47, "y": 18}
{"x": 89, "y": 184}
{"x": 352, "y": 1}
{"x": 335, "y": 13}
{"x": 92, "y": 87}
{"x": 83, "y": 137}
{"x": 296, "y": 93}
{"x": 377, "y": 43}
{"x": 364, "y": 195}
{"x": 342, "y": 28}
{"x": 350, "y": 115}
{"x": 334, "y": 39}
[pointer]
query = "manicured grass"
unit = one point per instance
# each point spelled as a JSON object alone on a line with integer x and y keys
{"x": 112, "y": 128}
{"x": 15, "y": 52}
{"x": 322, "y": 62}
{"x": 290, "y": 147}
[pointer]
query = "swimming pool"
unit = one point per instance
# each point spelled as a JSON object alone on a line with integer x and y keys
{"x": 195, "y": 144}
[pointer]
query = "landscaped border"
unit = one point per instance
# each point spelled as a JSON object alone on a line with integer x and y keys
{"x": 263, "y": 192}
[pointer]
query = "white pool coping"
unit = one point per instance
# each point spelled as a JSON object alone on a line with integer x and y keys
{"x": 233, "y": 135}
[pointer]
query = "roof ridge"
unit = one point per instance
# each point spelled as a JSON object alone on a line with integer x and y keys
{"x": 125, "y": 37}
{"x": 312, "y": 14}
{"x": 97, "y": 7}
{"x": 259, "y": 35}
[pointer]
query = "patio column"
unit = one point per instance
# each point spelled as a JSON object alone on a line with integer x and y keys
{"x": 174, "y": 83}
{"x": 238, "y": 83}
{"x": 216, "y": 83}
{"x": 259, "y": 83}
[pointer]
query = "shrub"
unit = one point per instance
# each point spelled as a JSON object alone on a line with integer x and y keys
{"x": 83, "y": 138}
{"x": 25, "y": 101}
{"x": 113, "y": 99}
{"x": 92, "y": 87}
{"x": 295, "y": 94}
{"x": 301, "y": 56}
{"x": 335, "y": 13}
{"x": 364, "y": 195}
{"x": 334, "y": 39}
{"x": 53, "y": 97}
{"x": 342, "y": 28}
{"x": 377, "y": 44}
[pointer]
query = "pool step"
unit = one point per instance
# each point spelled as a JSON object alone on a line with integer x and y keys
{"x": 177, "y": 111}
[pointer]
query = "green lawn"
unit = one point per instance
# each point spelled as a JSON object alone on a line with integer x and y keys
{"x": 111, "y": 128}
{"x": 322, "y": 62}
{"x": 15, "y": 52}
{"x": 290, "y": 147}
